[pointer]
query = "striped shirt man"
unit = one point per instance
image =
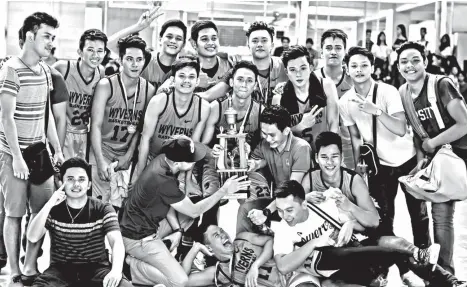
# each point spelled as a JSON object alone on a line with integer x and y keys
{"x": 30, "y": 90}
{"x": 78, "y": 235}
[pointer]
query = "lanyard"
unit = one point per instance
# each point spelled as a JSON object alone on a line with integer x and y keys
{"x": 265, "y": 96}
{"x": 247, "y": 115}
{"x": 125, "y": 96}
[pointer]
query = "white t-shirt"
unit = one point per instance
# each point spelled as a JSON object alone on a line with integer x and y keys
{"x": 289, "y": 238}
{"x": 392, "y": 149}
{"x": 381, "y": 52}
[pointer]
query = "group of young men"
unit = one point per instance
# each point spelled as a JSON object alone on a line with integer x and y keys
{"x": 143, "y": 143}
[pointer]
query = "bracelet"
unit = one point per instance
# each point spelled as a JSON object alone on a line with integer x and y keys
{"x": 179, "y": 230}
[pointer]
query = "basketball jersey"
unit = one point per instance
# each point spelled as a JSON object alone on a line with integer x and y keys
{"x": 118, "y": 116}
{"x": 347, "y": 177}
{"x": 342, "y": 87}
{"x": 251, "y": 126}
{"x": 267, "y": 83}
{"x": 170, "y": 123}
{"x": 235, "y": 271}
{"x": 80, "y": 97}
{"x": 223, "y": 67}
{"x": 153, "y": 73}
{"x": 296, "y": 107}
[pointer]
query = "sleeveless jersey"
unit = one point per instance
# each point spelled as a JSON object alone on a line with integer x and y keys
{"x": 118, "y": 116}
{"x": 316, "y": 97}
{"x": 276, "y": 75}
{"x": 251, "y": 127}
{"x": 234, "y": 272}
{"x": 223, "y": 67}
{"x": 347, "y": 177}
{"x": 153, "y": 72}
{"x": 345, "y": 83}
{"x": 80, "y": 97}
{"x": 170, "y": 123}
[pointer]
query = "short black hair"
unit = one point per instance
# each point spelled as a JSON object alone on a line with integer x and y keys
{"x": 309, "y": 40}
{"x": 334, "y": 33}
{"x": 411, "y": 45}
{"x": 357, "y": 50}
{"x": 423, "y": 29}
{"x": 200, "y": 25}
{"x": 368, "y": 31}
{"x": 260, "y": 25}
{"x": 186, "y": 61}
{"x": 285, "y": 38}
{"x": 75, "y": 162}
{"x": 33, "y": 22}
{"x": 247, "y": 65}
{"x": 295, "y": 52}
{"x": 92, "y": 35}
{"x": 276, "y": 115}
{"x": 325, "y": 139}
{"x": 131, "y": 41}
{"x": 290, "y": 187}
{"x": 174, "y": 23}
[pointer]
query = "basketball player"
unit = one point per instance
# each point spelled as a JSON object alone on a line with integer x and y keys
{"x": 271, "y": 69}
{"x": 118, "y": 107}
{"x": 205, "y": 40}
{"x": 81, "y": 78}
{"x": 172, "y": 37}
{"x": 178, "y": 112}
{"x": 333, "y": 46}
{"x": 312, "y": 102}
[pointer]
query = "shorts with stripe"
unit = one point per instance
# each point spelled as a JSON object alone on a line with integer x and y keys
{"x": 75, "y": 144}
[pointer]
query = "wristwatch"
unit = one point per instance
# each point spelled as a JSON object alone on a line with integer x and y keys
{"x": 267, "y": 212}
{"x": 179, "y": 230}
{"x": 378, "y": 112}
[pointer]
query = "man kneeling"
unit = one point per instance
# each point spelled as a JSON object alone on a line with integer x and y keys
{"x": 78, "y": 225}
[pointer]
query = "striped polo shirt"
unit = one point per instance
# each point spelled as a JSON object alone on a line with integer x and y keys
{"x": 30, "y": 91}
{"x": 82, "y": 241}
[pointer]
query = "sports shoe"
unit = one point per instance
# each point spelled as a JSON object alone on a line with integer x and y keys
{"x": 412, "y": 280}
{"x": 429, "y": 255}
{"x": 381, "y": 281}
{"x": 460, "y": 284}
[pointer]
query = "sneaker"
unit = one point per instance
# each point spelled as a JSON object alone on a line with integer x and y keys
{"x": 460, "y": 284}
{"x": 412, "y": 280}
{"x": 29, "y": 279}
{"x": 429, "y": 255}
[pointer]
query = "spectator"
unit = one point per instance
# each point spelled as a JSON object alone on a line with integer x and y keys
{"x": 462, "y": 84}
{"x": 453, "y": 75}
{"x": 51, "y": 59}
{"x": 314, "y": 54}
{"x": 445, "y": 47}
{"x": 368, "y": 43}
{"x": 285, "y": 41}
{"x": 398, "y": 80}
{"x": 435, "y": 65}
{"x": 422, "y": 40}
{"x": 381, "y": 51}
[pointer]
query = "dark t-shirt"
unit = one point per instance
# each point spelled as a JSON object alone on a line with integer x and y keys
{"x": 82, "y": 241}
{"x": 149, "y": 200}
{"x": 446, "y": 92}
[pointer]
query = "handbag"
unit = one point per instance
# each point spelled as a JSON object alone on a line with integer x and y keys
{"x": 39, "y": 156}
{"x": 435, "y": 183}
{"x": 368, "y": 155}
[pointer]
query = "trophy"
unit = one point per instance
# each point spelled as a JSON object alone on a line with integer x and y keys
{"x": 226, "y": 164}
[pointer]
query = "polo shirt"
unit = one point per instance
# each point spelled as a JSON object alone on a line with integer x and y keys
{"x": 296, "y": 156}
{"x": 392, "y": 149}
{"x": 149, "y": 200}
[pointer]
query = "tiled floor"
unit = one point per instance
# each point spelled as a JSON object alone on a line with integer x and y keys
{"x": 402, "y": 228}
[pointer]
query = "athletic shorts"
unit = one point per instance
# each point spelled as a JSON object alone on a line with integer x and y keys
{"x": 75, "y": 145}
{"x": 300, "y": 278}
{"x": 18, "y": 193}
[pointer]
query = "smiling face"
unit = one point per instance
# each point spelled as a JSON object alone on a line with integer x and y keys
{"x": 133, "y": 62}
{"x": 291, "y": 209}
{"x": 219, "y": 242}
{"x": 93, "y": 53}
{"x": 298, "y": 71}
{"x": 42, "y": 40}
{"x": 186, "y": 80}
{"x": 260, "y": 44}
{"x": 207, "y": 44}
{"x": 329, "y": 159}
{"x": 360, "y": 68}
{"x": 243, "y": 83}
{"x": 273, "y": 135}
{"x": 172, "y": 41}
{"x": 411, "y": 65}
{"x": 333, "y": 51}
{"x": 76, "y": 182}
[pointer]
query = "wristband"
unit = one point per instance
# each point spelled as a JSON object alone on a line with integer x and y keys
{"x": 267, "y": 212}
{"x": 179, "y": 230}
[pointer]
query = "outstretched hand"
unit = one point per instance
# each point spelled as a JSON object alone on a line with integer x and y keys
{"x": 148, "y": 17}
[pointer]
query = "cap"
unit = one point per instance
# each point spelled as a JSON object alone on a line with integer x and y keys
{"x": 182, "y": 149}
